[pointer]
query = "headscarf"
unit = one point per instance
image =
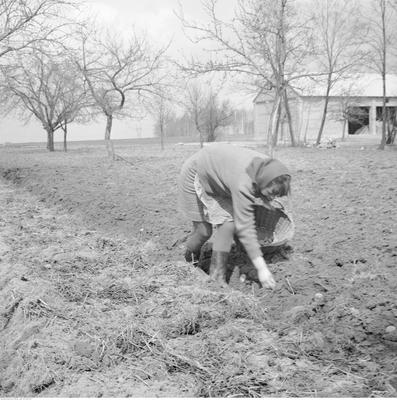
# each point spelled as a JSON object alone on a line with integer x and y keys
{"x": 263, "y": 171}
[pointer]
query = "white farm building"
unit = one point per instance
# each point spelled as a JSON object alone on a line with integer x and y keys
{"x": 355, "y": 107}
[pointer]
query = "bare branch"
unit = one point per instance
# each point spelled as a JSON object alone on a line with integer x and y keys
{"x": 49, "y": 88}
{"x": 26, "y": 23}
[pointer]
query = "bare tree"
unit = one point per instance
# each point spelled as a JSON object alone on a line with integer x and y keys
{"x": 161, "y": 109}
{"x": 381, "y": 19}
{"x": 265, "y": 43}
{"x": 339, "y": 33}
{"x": 195, "y": 108}
{"x": 207, "y": 111}
{"x": 25, "y": 23}
{"x": 217, "y": 114}
{"x": 50, "y": 90}
{"x": 74, "y": 101}
{"x": 116, "y": 67}
{"x": 346, "y": 102}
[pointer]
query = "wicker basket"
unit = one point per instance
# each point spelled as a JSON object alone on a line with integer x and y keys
{"x": 274, "y": 226}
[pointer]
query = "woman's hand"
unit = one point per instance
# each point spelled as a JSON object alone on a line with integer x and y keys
{"x": 264, "y": 275}
{"x": 266, "y": 278}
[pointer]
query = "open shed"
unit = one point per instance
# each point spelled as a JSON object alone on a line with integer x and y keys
{"x": 355, "y": 107}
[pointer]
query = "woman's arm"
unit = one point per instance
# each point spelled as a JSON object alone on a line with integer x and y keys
{"x": 264, "y": 275}
{"x": 244, "y": 219}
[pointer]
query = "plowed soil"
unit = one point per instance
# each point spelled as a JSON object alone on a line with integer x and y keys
{"x": 96, "y": 300}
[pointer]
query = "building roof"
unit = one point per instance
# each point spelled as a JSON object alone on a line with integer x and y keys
{"x": 359, "y": 85}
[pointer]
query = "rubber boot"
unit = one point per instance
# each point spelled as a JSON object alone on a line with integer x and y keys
{"x": 201, "y": 233}
{"x": 192, "y": 256}
{"x": 219, "y": 268}
{"x": 229, "y": 272}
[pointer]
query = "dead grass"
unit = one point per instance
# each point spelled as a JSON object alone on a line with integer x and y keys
{"x": 95, "y": 314}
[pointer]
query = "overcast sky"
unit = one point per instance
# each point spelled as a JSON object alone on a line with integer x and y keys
{"x": 157, "y": 18}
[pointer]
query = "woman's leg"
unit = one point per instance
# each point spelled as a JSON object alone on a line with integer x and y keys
{"x": 222, "y": 244}
{"x": 223, "y": 239}
{"x": 192, "y": 207}
{"x": 202, "y": 231}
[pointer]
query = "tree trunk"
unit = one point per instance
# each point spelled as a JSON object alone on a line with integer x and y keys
{"x": 289, "y": 119}
{"x": 65, "y": 133}
{"x": 277, "y": 129}
{"x": 384, "y": 116}
{"x": 108, "y": 141}
{"x": 162, "y": 136}
{"x": 273, "y": 124}
{"x": 384, "y": 49}
{"x": 50, "y": 139}
{"x": 325, "y": 110}
{"x": 211, "y": 135}
{"x": 198, "y": 128}
{"x": 391, "y": 125}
